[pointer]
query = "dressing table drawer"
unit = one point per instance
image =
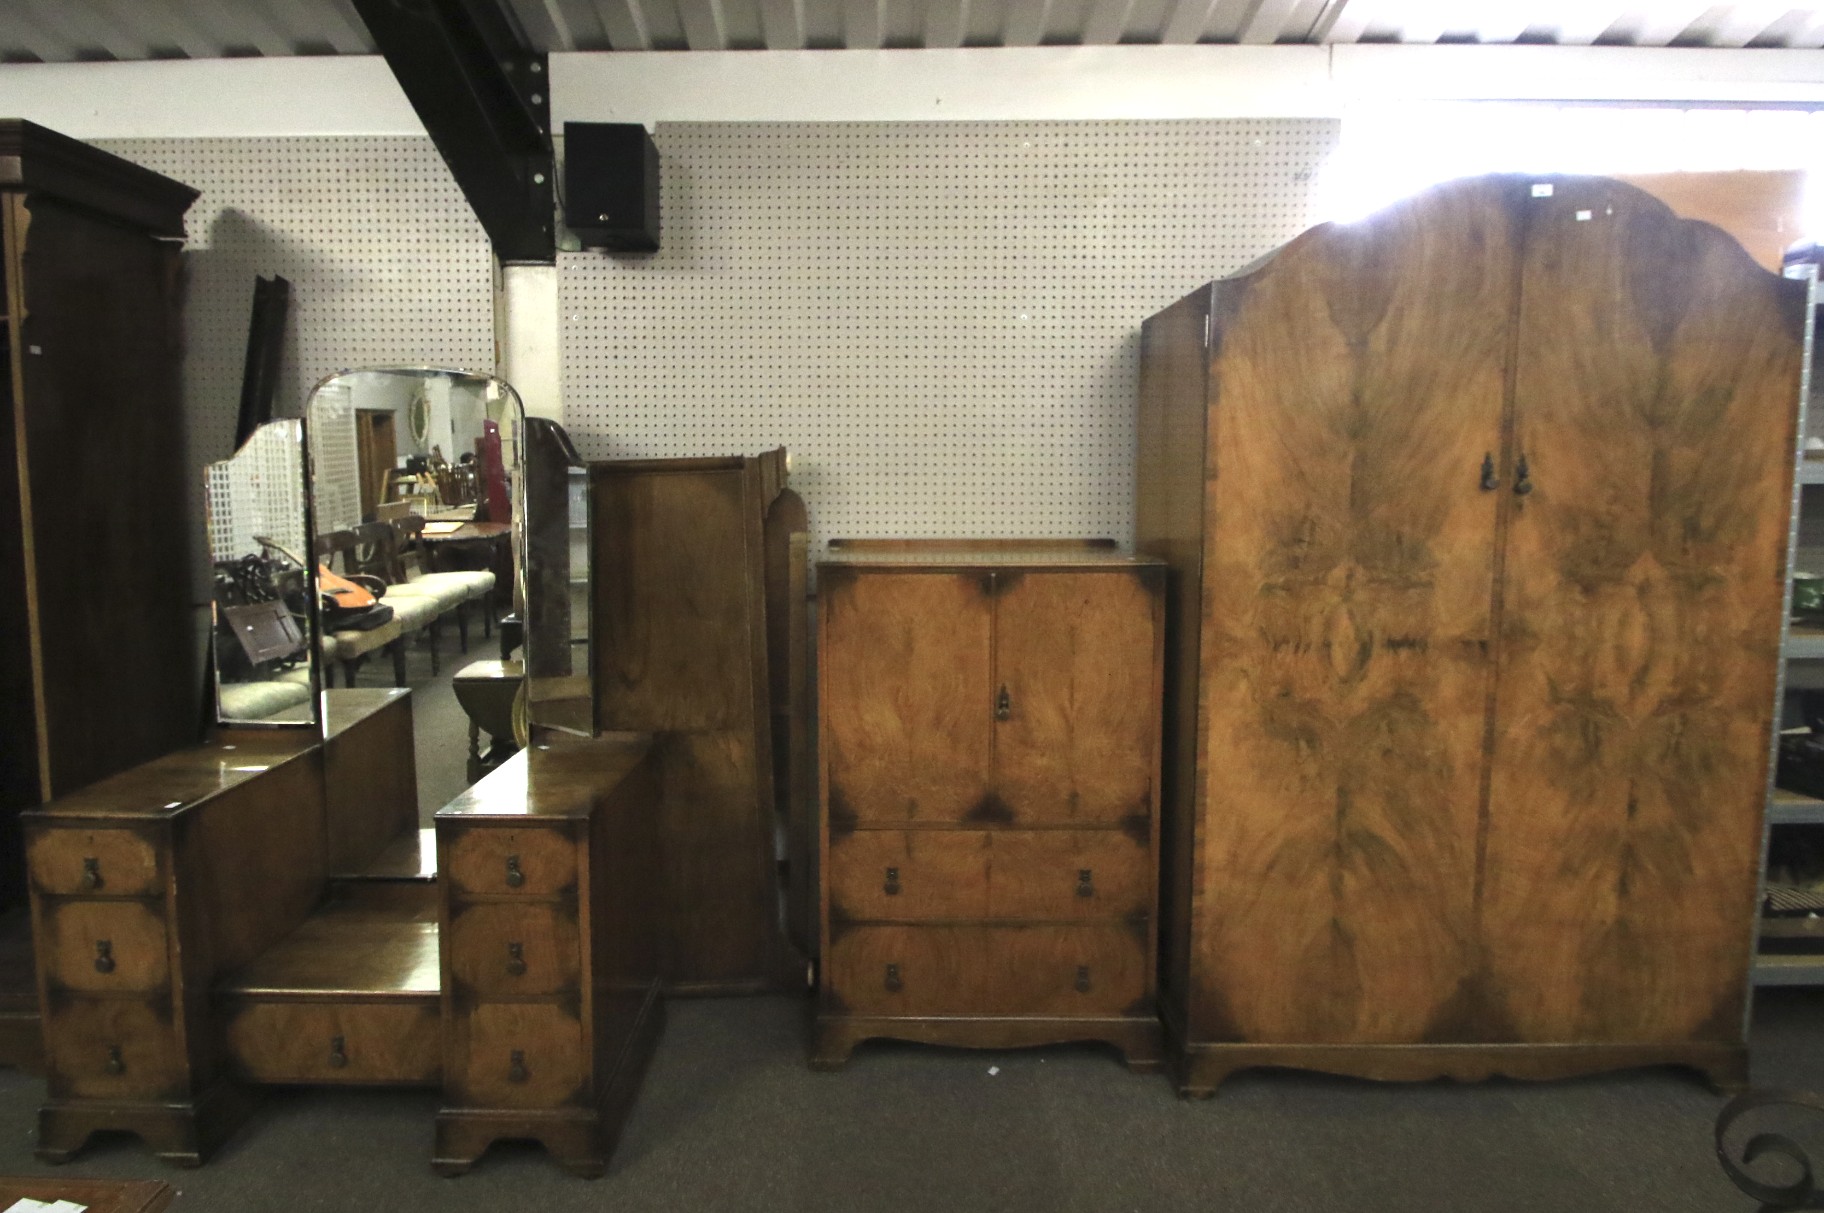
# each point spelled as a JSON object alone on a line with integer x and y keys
{"x": 518, "y": 1055}
{"x": 511, "y": 861}
{"x": 385, "y": 1043}
{"x": 105, "y": 946}
{"x": 113, "y": 1048}
{"x": 508, "y": 949}
{"x": 91, "y": 863}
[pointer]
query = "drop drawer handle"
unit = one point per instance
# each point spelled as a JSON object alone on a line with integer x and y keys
{"x": 104, "y": 956}
{"x": 516, "y": 1068}
{"x": 894, "y": 985}
{"x": 338, "y": 1052}
{"x": 91, "y": 873}
{"x": 1082, "y": 979}
{"x": 515, "y": 877}
{"x": 114, "y": 1065}
{"x": 1489, "y": 481}
{"x": 516, "y": 960}
{"x": 1523, "y": 482}
{"x": 892, "y": 885}
{"x": 1085, "y": 882}
{"x": 1003, "y": 705}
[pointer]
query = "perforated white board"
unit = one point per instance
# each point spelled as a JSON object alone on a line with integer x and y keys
{"x": 941, "y": 321}
{"x": 387, "y": 264}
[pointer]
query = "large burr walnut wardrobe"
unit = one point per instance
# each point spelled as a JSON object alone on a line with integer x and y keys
{"x": 1476, "y": 513}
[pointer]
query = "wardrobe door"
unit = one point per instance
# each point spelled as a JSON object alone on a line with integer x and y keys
{"x": 1356, "y": 385}
{"x": 1655, "y": 397}
{"x": 1075, "y": 668}
{"x": 907, "y": 721}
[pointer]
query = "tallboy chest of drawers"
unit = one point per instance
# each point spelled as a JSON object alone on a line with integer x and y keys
{"x": 989, "y": 731}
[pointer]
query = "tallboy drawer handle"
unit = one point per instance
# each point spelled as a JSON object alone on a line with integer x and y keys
{"x": 516, "y": 1067}
{"x": 91, "y": 874}
{"x": 516, "y": 960}
{"x": 1086, "y": 882}
{"x": 338, "y": 1052}
{"x": 894, "y": 985}
{"x": 892, "y": 885}
{"x": 515, "y": 877}
{"x": 114, "y": 1065}
{"x": 1082, "y": 979}
{"x": 104, "y": 956}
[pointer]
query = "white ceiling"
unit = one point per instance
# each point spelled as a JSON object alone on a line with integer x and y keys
{"x": 73, "y": 30}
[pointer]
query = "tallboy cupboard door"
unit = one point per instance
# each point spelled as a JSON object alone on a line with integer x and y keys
{"x": 1655, "y": 403}
{"x": 1356, "y": 384}
{"x": 907, "y": 718}
{"x": 1075, "y": 655}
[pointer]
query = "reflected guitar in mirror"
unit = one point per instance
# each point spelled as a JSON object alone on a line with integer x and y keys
{"x": 263, "y": 586}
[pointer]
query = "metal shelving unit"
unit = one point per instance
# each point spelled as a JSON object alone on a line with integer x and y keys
{"x": 1786, "y": 808}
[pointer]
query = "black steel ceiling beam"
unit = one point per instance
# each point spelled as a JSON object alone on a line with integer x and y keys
{"x": 482, "y": 92}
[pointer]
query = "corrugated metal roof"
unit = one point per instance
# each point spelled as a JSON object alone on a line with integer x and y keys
{"x": 73, "y": 30}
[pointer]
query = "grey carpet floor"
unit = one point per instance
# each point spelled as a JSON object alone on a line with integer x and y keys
{"x": 730, "y": 1118}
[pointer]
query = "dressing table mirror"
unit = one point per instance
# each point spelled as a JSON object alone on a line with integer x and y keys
{"x": 264, "y": 584}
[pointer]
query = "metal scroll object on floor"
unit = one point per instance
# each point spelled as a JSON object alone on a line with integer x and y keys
{"x": 264, "y": 586}
{"x": 1764, "y": 1116}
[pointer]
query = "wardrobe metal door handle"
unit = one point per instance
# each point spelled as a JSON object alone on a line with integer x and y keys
{"x": 1489, "y": 483}
{"x": 1003, "y": 705}
{"x": 1522, "y": 483}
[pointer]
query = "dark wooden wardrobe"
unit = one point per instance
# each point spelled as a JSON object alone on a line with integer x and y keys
{"x": 97, "y": 669}
{"x": 1476, "y": 512}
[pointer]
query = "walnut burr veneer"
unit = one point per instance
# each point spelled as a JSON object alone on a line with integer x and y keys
{"x": 1476, "y": 514}
{"x": 989, "y": 724}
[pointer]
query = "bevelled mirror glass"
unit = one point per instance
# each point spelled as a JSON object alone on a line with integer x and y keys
{"x": 559, "y": 690}
{"x": 264, "y": 584}
{"x": 414, "y": 477}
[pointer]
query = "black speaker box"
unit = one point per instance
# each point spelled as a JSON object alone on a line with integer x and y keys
{"x": 611, "y": 186}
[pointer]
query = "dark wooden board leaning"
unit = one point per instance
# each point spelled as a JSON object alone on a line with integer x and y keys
{"x": 1476, "y": 513}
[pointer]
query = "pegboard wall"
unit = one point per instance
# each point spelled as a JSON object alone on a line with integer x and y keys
{"x": 387, "y": 265}
{"x": 940, "y": 321}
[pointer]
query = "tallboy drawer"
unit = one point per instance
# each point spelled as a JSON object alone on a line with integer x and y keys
{"x": 919, "y": 875}
{"x": 487, "y": 860}
{"x": 1040, "y": 970}
{"x": 505, "y": 949}
{"x": 98, "y": 862}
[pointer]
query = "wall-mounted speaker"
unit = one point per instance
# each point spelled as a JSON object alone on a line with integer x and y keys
{"x": 611, "y": 186}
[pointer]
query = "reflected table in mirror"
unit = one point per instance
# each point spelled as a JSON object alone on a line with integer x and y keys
{"x": 486, "y": 690}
